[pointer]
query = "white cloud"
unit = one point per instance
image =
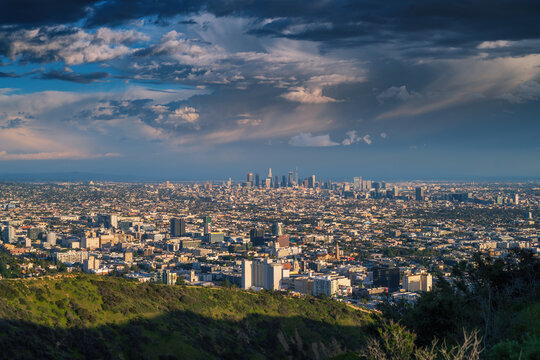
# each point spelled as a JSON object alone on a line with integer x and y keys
{"x": 395, "y": 92}
{"x": 247, "y": 119}
{"x": 306, "y": 96}
{"x": 352, "y": 137}
{"x": 384, "y": 135}
{"x": 493, "y": 44}
{"x": 367, "y": 139}
{"x": 308, "y": 140}
{"x": 71, "y": 45}
{"x": 186, "y": 113}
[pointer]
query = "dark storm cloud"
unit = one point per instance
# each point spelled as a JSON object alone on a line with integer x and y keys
{"x": 443, "y": 22}
{"x": 8, "y": 75}
{"x": 425, "y": 25}
{"x": 74, "y": 77}
{"x": 31, "y": 13}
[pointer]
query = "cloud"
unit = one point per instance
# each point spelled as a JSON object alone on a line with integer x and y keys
{"x": 306, "y": 96}
{"x": 248, "y": 120}
{"x": 367, "y": 139}
{"x": 74, "y": 77}
{"x": 352, "y": 137}
{"x": 186, "y": 113}
{"x": 71, "y": 45}
{"x": 308, "y": 140}
{"x": 8, "y": 75}
{"x": 384, "y": 135}
{"x": 461, "y": 81}
{"x": 395, "y": 92}
{"x": 493, "y": 44}
{"x": 527, "y": 91}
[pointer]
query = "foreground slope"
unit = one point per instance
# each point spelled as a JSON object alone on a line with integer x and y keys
{"x": 87, "y": 316}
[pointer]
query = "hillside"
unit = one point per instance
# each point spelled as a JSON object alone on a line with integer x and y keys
{"x": 102, "y": 317}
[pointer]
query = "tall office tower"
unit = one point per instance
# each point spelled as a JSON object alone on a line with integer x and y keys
{"x": 386, "y": 277}
{"x": 396, "y": 191}
{"x": 229, "y": 182}
{"x": 9, "y": 234}
{"x": 276, "y": 181}
{"x": 383, "y": 185}
{"x": 283, "y": 181}
{"x": 311, "y": 181}
{"x": 419, "y": 193}
{"x": 167, "y": 184}
{"x": 357, "y": 182}
{"x": 516, "y": 199}
{"x": 296, "y": 179}
{"x": 249, "y": 177}
{"x": 257, "y": 180}
{"x": 376, "y": 186}
{"x": 268, "y": 182}
{"x": 51, "y": 238}
{"x": 277, "y": 229}
{"x": 269, "y": 173}
{"x": 178, "y": 227}
{"x": 256, "y": 236}
{"x": 207, "y": 225}
{"x": 290, "y": 183}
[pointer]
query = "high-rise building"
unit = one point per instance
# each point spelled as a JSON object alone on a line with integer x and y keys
{"x": 386, "y": 277}
{"x": 276, "y": 181}
{"x": 51, "y": 238}
{"x": 249, "y": 177}
{"x": 283, "y": 181}
{"x": 9, "y": 234}
{"x": 311, "y": 181}
{"x": 357, "y": 182}
{"x": 516, "y": 199}
{"x": 418, "y": 282}
{"x": 277, "y": 229}
{"x": 178, "y": 227}
{"x": 291, "y": 180}
{"x": 419, "y": 193}
{"x": 262, "y": 273}
{"x": 91, "y": 264}
{"x": 257, "y": 180}
{"x": 269, "y": 173}
{"x": 207, "y": 225}
{"x": 256, "y": 236}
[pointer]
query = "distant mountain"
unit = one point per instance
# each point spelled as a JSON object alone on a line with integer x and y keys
{"x": 68, "y": 176}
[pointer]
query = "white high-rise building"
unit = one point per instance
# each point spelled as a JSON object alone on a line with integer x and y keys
{"x": 265, "y": 274}
{"x": 51, "y": 238}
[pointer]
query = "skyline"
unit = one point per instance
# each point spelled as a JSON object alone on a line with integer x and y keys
{"x": 203, "y": 90}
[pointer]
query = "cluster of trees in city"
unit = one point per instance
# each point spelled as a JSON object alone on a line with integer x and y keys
{"x": 491, "y": 310}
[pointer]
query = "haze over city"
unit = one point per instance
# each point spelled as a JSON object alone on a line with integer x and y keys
{"x": 209, "y": 89}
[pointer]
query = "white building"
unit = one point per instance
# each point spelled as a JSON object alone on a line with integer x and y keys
{"x": 418, "y": 282}
{"x": 331, "y": 285}
{"x": 265, "y": 274}
{"x": 71, "y": 256}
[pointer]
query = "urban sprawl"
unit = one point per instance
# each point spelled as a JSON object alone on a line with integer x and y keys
{"x": 360, "y": 242}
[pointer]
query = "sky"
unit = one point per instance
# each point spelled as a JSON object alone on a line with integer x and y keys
{"x": 212, "y": 89}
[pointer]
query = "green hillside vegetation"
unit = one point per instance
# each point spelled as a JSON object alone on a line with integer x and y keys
{"x": 496, "y": 299}
{"x": 96, "y": 317}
